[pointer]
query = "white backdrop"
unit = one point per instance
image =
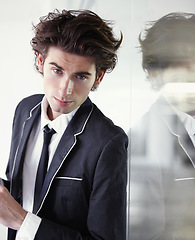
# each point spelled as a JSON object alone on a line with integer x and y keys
{"x": 123, "y": 95}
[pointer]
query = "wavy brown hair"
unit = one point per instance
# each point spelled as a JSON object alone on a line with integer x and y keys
{"x": 80, "y": 32}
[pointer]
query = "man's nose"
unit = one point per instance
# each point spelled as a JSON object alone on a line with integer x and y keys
{"x": 66, "y": 86}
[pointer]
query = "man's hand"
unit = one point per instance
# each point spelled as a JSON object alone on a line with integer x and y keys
{"x": 12, "y": 214}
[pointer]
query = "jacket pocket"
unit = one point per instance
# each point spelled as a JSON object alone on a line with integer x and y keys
{"x": 68, "y": 181}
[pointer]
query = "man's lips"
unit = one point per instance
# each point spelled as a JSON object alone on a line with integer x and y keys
{"x": 62, "y": 102}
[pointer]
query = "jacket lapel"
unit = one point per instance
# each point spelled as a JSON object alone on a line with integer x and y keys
{"x": 187, "y": 146}
{"x": 65, "y": 146}
{"x": 184, "y": 144}
{"x": 16, "y": 177}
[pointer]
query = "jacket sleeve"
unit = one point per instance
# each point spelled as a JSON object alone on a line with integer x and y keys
{"x": 107, "y": 204}
{"x": 5, "y": 183}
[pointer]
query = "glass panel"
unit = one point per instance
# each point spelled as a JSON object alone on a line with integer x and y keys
{"x": 161, "y": 151}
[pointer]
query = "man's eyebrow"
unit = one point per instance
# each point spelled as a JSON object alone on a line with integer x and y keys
{"x": 55, "y": 64}
{"x": 83, "y": 73}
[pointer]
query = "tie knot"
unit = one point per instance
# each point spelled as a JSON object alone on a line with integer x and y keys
{"x": 48, "y": 132}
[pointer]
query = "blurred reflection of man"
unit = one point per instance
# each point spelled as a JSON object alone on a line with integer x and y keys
{"x": 162, "y": 144}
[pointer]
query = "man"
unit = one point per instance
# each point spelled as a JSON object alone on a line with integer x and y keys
{"x": 162, "y": 143}
{"x": 83, "y": 195}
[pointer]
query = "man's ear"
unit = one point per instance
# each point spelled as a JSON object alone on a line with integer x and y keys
{"x": 40, "y": 62}
{"x": 99, "y": 78}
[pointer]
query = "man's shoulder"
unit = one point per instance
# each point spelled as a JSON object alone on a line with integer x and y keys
{"x": 30, "y": 101}
{"x": 33, "y": 99}
{"x": 103, "y": 123}
{"x": 27, "y": 104}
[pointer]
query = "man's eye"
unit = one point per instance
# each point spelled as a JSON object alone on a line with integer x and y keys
{"x": 80, "y": 77}
{"x": 57, "y": 71}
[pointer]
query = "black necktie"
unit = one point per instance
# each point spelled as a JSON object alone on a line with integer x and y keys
{"x": 43, "y": 163}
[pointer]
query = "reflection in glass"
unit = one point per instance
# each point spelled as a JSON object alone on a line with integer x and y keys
{"x": 161, "y": 153}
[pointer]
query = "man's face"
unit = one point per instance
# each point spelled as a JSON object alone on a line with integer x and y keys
{"x": 68, "y": 79}
{"x": 179, "y": 86}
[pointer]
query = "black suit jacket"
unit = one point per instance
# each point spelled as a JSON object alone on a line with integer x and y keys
{"x": 84, "y": 195}
{"x": 162, "y": 177}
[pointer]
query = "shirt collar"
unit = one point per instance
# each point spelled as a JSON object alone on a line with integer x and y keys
{"x": 58, "y": 124}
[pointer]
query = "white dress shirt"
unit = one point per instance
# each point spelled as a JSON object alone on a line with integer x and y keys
{"x": 31, "y": 161}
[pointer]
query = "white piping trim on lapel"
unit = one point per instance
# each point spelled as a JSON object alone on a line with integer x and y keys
{"x": 75, "y": 140}
{"x": 30, "y": 115}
